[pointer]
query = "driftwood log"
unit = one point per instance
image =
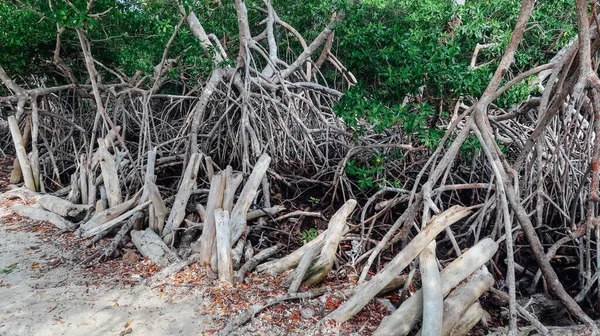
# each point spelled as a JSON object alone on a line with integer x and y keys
{"x": 469, "y": 319}
{"x": 152, "y": 247}
{"x": 102, "y": 217}
{"x": 111, "y": 224}
{"x": 41, "y": 215}
{"x": 368, "y": 290}
{"x": 463, "y": 297}
{"x": 335, "y": 230}
{"x": 61, "y": 207}
{"x": 177, "y": 213}
{"x": 433, "y": 297}
{"x": 224, "y": 263}
{"x": 402, "y": 321}
{"x": 251, "y": 263}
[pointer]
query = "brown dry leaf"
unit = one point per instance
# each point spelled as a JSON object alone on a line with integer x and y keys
{"x": 127, "y": 324}
{"x": 34, "y": 266}
{"x": 171, "y": 302}
{"x": 116, "y": 304}
{"x": 8, "y": 286}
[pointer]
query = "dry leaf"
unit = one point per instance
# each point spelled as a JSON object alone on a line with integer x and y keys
{"x": 34, "y": 266}
{"x": 116, "y": 304}
{"x": 127, "y": 324}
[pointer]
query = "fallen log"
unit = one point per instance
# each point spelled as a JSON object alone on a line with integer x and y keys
{"x": 249, "y": 265}
{"x": 61, "y": 207}
{"x": 295, "y": 278}
{"x": 102, "y": 217}
{"x": 469, "y": 319}
{"x": 402, "y": 321}
{"x": 271, "y": 211}
{"x": 108, "y": 226}
{"x": 152, "y": 247}
{"x": 291, "y": 260}
{"x": 116, "y": 242}
{"x": 41, "y": 215}
{"x": 369, "y": 289}
{"x": 335, "y": 230}
{"x": 461, "y": 298}
{"x": 22, "y": 193}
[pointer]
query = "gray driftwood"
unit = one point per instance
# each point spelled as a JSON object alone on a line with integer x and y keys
{"x": 461, "y": 298}
{"x": 238, "y": 214}
{"x": 369, "y": 289}
{"x": 254, "y": 261}
{"x": 335, "y": 230}
{"x": 177, "y": 214}
{"x": 224, "y": 262}
{"x": 41, "y": 215}
{"x": 402, "y": 321}
{"x": 152, "y": 247}
{"x": 61, "y": 207}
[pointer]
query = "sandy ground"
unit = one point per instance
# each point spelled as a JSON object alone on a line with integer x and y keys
{"x": 40, "y": 297}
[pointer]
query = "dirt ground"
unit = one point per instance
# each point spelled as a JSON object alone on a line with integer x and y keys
{"x": 44, "y": 292}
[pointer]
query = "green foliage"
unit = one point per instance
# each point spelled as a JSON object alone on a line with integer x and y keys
{"x": 127, "y": 36}
{"x": 25, "y": 39}
{"x": 8, "y": 269}
{"x": 397, "y": 47}
{"x": 366, "y": 173}
{"x": 411, "y": 57}
{"x": 470, "y": 147}
{"x": 309, "y": 235}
